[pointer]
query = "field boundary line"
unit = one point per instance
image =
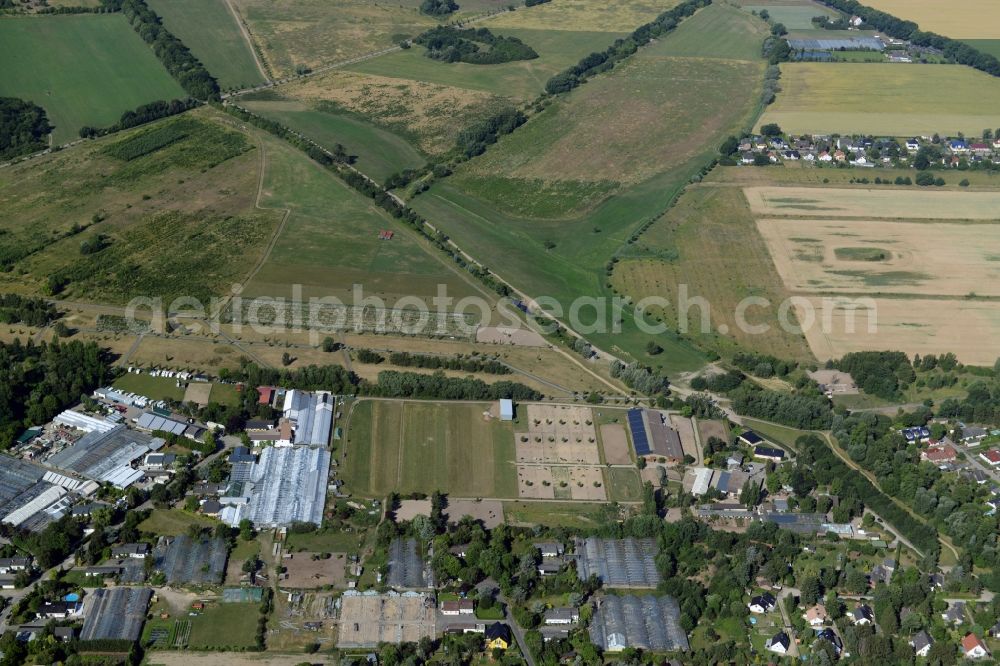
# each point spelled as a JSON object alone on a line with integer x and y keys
{"x": 245, "y": 31}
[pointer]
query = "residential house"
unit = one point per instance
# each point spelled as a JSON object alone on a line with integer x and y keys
{"x": 972, "y": 435}
{"x": 862, "y": 615}
{"x": 974, "y": 648}
{"x": 980, "y": 148}
{"x": 955, "y": 614}
{"x": 992, "y": 457}
{"x": 58, "y": 610}
{"x": 134, "y": 550}
{"x": 549, "y": 548}
{"x": 912, "y": 144}
{"x": 8, "y": 581}
{"x": 157, "y": 461}
{"x": 816, "y": 616}
{"x": 921, "y": 643}
{"x": 567, "y": 615}
{"x": 824, "y": 156}
{"x": 763, "y": 603}
{"x": 10, "y": 565}
{"x": 939, "y": 454}
{"x": 461, "y": 607}
{"x": 831, "y": 637}
{"x": 839, "y": 155}
{"x": 779, "y": 643}
{"x": 64, "y": 634}
{"x": 497, "y": 636}
{"x": 958, "y": 146}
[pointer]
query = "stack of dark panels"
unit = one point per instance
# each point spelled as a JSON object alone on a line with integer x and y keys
{"x": 638, "y": 427}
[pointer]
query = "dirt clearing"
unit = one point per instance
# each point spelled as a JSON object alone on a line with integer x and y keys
{"x": 616, "y": 449}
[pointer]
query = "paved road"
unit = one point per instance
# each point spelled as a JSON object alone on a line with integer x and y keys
{"x": 515, "y": 629}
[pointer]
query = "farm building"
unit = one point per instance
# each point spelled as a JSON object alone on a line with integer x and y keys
{"x": 310, "y": 415}
{"x": 506, "y": 409}
{"x": 287, "y": 485}
{"x": 768, "y": 453}
{"x": 83, "y": 422}
{"x": 652, "y": 436}
{"x": 117, "y": 613}
{"x": 750, "y": 438}
{"x": 626, "y": 563}
{"x": 31, "y": 497}
{"x": 647, "y": 623}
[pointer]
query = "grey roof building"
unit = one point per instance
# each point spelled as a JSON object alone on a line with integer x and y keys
{"x": 649, "y": 623}
{"x": 626, "y": 563}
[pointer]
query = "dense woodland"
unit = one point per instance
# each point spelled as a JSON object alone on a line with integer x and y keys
{"x": 450, "y": 44}
{"x": 37, "y": 381}
{"x": 24, "y": 128}
{"x": 17, "y": 309}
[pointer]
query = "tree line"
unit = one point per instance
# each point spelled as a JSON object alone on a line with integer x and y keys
{"x": 960, "y": 52}
{"x": 189, "y": 72}
{"x": 146, "y": 113}
{"x": 473, "y": 139}
{"x": 24, "y": 128}
{"x": 603, "y": 61}
{"x": 883, "y": 373}
{"x": 464, "y": 363}
{"x": 450, "y": 44}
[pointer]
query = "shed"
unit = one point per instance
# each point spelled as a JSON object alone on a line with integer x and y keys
{"x": 506, "y": 409}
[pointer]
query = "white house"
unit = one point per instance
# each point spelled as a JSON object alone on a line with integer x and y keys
{"x": 763, "y": 603}
{"x": 778, "y": 643}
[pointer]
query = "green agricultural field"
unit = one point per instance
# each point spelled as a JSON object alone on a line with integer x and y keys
{"x": 709, "y": 243}
{"x": 173, "y": 201}
{"x": 379, "y": 152}
{"x": 719, "y": 31}
{"x": 420, "y": 447}
{"x": 792, "y": 16}
{"x": 886, "y": 99}
{"x": 210, "y": 30}
{"x": 330, "y": 241}
{"x": 524, "y": 79}
{"x": 559, "y": 514}
{"x": 157, "y": 388}
{"x": 84, "y": 69}
{"x": 636, "y": 134}
{"x": 991, "y": 46}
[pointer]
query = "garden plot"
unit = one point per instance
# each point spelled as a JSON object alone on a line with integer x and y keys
{"x": 558, "y": 434}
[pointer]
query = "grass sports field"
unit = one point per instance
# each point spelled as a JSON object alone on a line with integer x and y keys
{"x": 330, "y": 241}
{"x": 416, "y": 446}
{"x": 863, "y": 283}
{"x": 708, "y": 243}
{"x": 959, "y": 19}
{"x": 379, "y": 152}
{"x": 84, "y": 69}
{"x": 884, "y": 99}
{"x": 210, "y": 30}
{"x": 174, "y": 201}
{"x": 540, "y": 197}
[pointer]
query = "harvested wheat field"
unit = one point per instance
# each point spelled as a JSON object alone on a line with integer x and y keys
{"x": 969, "y": 328}
{"x": 865, "y": 256}
{"x": 958, "y": 19}
{"x": 584, "y": 15}
{"x": 896, "y": 204}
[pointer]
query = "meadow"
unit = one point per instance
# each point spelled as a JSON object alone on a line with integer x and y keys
{"x": 620, "y": 131}
{"x": 708, "y": 245}
{"x": 523, "y": 79}
{"x": 963, "y": 19}
{"x": 312, "y": 33}
{"x": 176, "y": 220}
{"x": 793, "y": 16}
{"x": 884, "y": 99}
{"x": 84, "y": 70}
{"x": 210, "y": 30}
{"x": 158, "y": 388}
{"x": 429, "y": 116}
{"x": 583, "y": 15}
{"x": 379, "y": 152}
{"x": 409, "y": 447}
{"x": 330, "y": 241}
